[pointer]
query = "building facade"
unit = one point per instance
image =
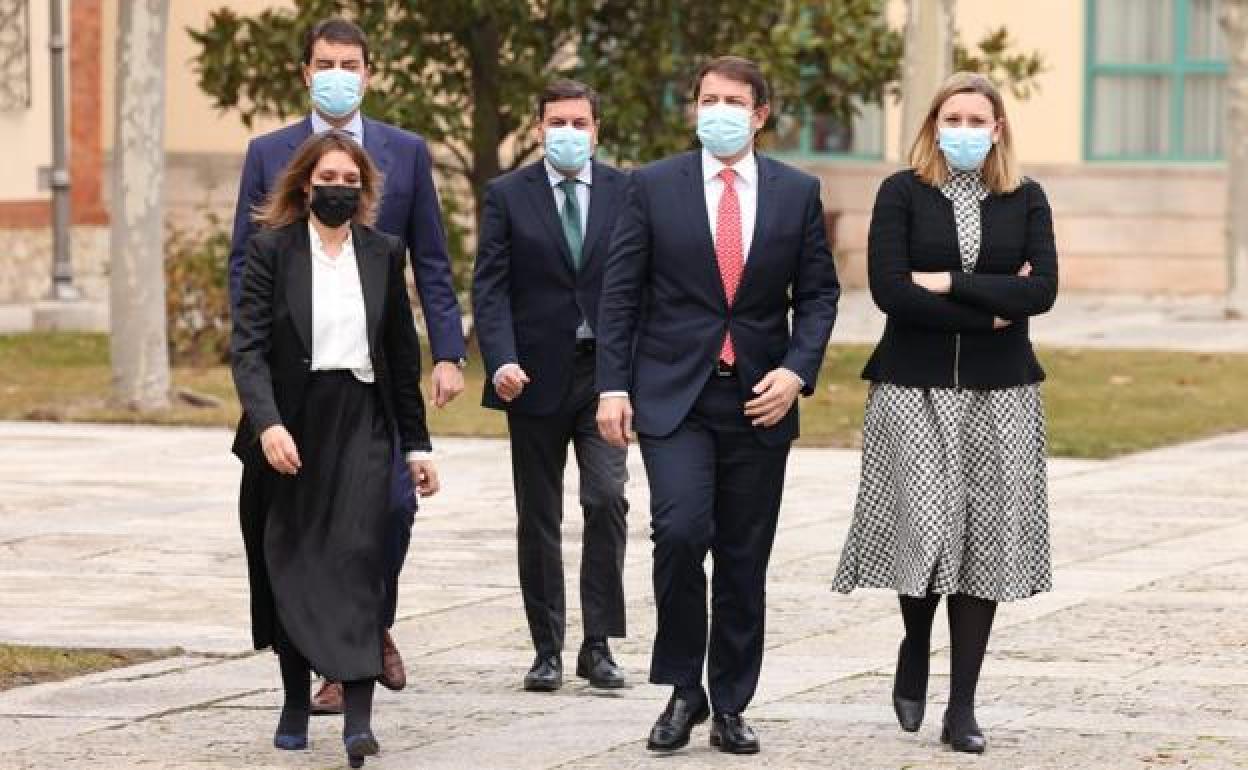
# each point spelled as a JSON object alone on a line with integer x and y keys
{"x": 1126, "y": 133}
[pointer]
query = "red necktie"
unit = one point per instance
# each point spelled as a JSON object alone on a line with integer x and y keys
{"x": 728, "y": 250}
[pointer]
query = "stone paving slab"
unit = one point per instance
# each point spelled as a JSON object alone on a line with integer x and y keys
{"x": 126, "y": 536}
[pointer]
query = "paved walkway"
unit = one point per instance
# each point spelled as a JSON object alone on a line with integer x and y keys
{"x": 126, "y": 536}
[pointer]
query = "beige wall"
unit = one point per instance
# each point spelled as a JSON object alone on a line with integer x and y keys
{"x": 29, "y": 130}
{"x": 1048, "y": 126}
{"x": 191, "y": 122}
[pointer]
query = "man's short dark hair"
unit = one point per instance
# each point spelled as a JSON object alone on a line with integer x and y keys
{"x": 338, "y": 31}
{"x": 559, "y": 90}
{"x": 739, "y": 69}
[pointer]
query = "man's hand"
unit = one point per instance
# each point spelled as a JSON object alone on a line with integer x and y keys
{"x": 615, "y": 420}
{"x": 279, "y": 449}
{"x": 509, "y": 382}
{"x": 1001, "y": 323}
{"x": 937, "y": 283}
{"x": 776, "y": 393}
{"x": 1025, "y": 270}
{"x": 448, "y": 382}
{"x": 424, "y": 476}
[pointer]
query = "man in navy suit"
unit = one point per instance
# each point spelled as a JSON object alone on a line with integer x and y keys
{"x": 717, "y": 304}
{"x": 335, "y": 70}
{"x": 544, "y": 234}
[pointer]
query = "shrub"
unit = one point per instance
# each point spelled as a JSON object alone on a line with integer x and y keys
{"x": 196, "y": 295}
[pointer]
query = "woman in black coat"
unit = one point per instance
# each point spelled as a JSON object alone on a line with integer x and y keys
{"x": 326, "y": 362}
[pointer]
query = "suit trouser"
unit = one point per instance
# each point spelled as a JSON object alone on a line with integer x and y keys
{"x": 539, "y": 453}
{"x": 403, "y": 505}
{"x": 714, "y": 486}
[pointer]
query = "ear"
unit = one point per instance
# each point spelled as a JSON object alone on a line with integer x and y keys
{"x": 996, "y": 130}
{"x": 759, "y": 118}
{"x": 365, "y": 75}
{"x": 307, "y": 75}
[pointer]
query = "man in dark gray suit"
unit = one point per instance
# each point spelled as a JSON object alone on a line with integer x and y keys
{"x": 543, "y": 240}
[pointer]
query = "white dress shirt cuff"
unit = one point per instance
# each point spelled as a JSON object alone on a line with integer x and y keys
{"x": 613, "y": 394}
{"x": 795, "y": 374}
{"x": 418, "y": 454}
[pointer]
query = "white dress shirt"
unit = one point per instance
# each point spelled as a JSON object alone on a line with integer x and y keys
{"x": 339, "y": 317}
{"x": 339, "y": 325}
{"x": 354, "y": 127}
{"x": 746, "y": 184}
{"x": 586, "y": 178}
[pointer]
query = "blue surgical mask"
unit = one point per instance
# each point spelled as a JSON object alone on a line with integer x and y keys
{"x": 965, "y": 147}
{"x": 336, "y": 92}
{"x": 567, "y": 148}
{"x": 724, "y": 130}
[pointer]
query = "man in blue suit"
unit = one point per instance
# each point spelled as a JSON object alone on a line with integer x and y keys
{"x": 717, "y": 304}
{"x": 544, "y": 234}
{"x": 335, "y": 70}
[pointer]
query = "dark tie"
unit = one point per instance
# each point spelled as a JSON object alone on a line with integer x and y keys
{"x": 571, "y": 220}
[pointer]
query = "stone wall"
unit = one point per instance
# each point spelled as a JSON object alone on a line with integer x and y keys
{"x": 26, "y": 263}
{"x": 1120, "y": 229}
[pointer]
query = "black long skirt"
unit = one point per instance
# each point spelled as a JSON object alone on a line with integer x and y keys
{"x": 324, "y": 538}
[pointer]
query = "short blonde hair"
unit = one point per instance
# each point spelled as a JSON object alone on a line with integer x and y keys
{"x": 1000, "y": 171}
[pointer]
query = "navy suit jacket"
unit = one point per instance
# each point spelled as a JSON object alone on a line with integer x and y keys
{"x": 409, "y": 210}
{"x": 527, "y": 299}
{"x": 664, "y": 310}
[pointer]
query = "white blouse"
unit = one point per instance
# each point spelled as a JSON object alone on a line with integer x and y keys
{"x": 339, "y": 323}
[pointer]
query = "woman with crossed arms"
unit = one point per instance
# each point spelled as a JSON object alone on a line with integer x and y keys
{"x": 953, "y": 497}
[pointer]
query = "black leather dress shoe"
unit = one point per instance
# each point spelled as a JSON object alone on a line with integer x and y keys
{"x": 596, "y": 664}
{"x": 731, "y": 735}
{"x": 546, "y": 675}
{"x": 963, "y": 734}
{"x": 672, "y": 729}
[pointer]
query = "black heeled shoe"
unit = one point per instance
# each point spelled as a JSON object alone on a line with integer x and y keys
{"x": 909, "y": 711}
{"x": 964, "y": 735}
{"x": 292, "y": 730}
{"x": 359, "y": 747}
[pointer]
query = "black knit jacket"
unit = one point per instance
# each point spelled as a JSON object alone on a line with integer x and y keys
{"x": 935, "y": 340}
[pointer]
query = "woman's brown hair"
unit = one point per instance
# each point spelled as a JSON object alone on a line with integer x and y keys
{"x": 288, "y": 203}
{"x": 1000, "y": 170}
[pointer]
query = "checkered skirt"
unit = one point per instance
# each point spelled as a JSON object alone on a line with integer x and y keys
{"x": 953, "y": 495}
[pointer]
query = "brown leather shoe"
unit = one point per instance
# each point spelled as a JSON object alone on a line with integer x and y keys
{"x": 393, "y": 675}
{"x": 328, "y": 699}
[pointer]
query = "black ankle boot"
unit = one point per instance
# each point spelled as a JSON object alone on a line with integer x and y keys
{"x": 962, "y": 732}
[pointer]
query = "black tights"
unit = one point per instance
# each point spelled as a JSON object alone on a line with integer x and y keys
{"x": 970, "y": 623}
{"x": 296, "y": 678}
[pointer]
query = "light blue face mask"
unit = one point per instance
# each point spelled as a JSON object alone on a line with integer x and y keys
{"x": 567, "y": 148}
{"x": 965, "y": 147}
{"x": 336, "y": 92}
{"x": 724, "y": 130}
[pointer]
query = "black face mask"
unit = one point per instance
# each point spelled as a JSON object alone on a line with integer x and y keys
{"x": 334, "y": 204}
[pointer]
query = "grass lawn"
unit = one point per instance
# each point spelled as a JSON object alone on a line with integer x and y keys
{"x": 1100, "y": 403}
{"x": 20, "y": 665}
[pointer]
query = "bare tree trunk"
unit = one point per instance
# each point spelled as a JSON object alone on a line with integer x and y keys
{"x": 140, "y": 351}
{"x": 926, "y": 62}
{"x": 1235, "y": 24}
